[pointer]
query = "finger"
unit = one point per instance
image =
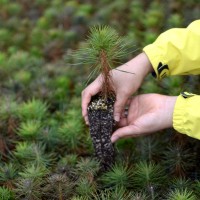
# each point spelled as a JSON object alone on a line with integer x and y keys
{"x": 127, "y": 131}
{"x": 87, "y": 94}
{"x": 123, "y": 122}
{"x": 86, "y": 97}
{"x": 119, "y": 107}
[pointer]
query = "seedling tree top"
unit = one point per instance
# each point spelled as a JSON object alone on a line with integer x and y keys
{"x": 103, "y": 50}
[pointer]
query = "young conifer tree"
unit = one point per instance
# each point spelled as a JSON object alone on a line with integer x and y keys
{"x": 102, "y": 51}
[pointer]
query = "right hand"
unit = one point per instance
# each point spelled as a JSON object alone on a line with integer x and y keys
{"x": 124, "y": 84}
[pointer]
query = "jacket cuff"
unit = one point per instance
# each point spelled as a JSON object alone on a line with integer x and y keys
{"x": 186, "y": 115}
{"x": 161, "y": 69}
{"x": 178, "y": 115}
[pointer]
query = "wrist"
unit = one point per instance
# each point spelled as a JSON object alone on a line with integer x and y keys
{"x": 169, "y": 110}
{"x": 139, "y": 65}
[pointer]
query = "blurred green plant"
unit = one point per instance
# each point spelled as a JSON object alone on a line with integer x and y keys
{"x": 181, "y": 194}
{"x": 85, "y": 187}
{"x": 180, "y": 183}
{"x": 58, "y": 186}
{"x": 148, "y": 177}
{"x": 67, "y": 163}
{"x": 8, "y": 174}
{"x": 30, "y": 130}
{"x": 28, "y": 188}
{"x": 29, "y": 152}
{"x": 178, "y": 159}
{"x": 87, "y": 168}
{"x": 120, "y": 175}
{"x": 33, "y": 109}
{"x": 33, "y": 171}
{"x": 6, "y": 194}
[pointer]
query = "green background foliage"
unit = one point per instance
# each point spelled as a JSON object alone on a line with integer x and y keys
{"x": 45, "y": 147}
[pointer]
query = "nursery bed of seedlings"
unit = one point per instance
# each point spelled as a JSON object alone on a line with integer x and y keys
{"x": 46, "y": 151}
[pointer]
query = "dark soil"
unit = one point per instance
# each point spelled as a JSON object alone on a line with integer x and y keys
{"x": 100, "y": 113}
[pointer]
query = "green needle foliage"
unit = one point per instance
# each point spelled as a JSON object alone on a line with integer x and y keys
{"x": 8, "y": 174}
{"x": 85, "y": 187}
{"x": 28, "y": 152}
{"x": 181, "y": 194}
{"x": 71, "y": 133}
{"x": 6, "y": 194}
{"x": 118, "y": 193}
{"x": 180, "y": 183}
{"x": 120, "y": 175}
{"x": 58, "y": 186}
{"x": 148, "y": 148}
{"x": 87, "y": 167}
{"x": 29, "y": 188}
{"x": 103, "y": 50}
{"x": 67, "y": 163}
{"x": 178, "y": 159}
{"x": 148, "y": 176}
{"x": 33, "y": 109}
{"x": 34, "y": 172}
{"x": 29, "y": 130}
{"x": 45, "y": 148}
{"x": 50, "y": 137}
{"x": 8, "y": 108}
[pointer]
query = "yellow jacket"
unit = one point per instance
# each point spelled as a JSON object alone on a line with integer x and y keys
{"x": 177, "y": 52}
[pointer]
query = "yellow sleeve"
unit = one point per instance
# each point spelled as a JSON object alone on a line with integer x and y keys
{"x": 176, "y": 51}
{"x": 186, "y": 116}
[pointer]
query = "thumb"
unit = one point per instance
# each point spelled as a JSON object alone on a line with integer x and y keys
{"x": 125, "y": 132}
{"x": 119, "y": 107}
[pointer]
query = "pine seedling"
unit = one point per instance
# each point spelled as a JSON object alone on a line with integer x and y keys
{"x": 178, "y": 159}
{"x": 35, "y": 172}
{"x": 50, "y": 137}
{"x": 71, "y": 133}
{"x": 181, "y": 194}
{"x": 121, "y": 193}
{"x": 6, "y": 194}
{"x": 58, "y": 186}
{"x": 87, "y": 167}
{"x": 139, "y": 196}
{"x": 24, "y": 151}
{"x": 8, "y": 174}
{"x": 148, "y": 148}
{"x": 29, "y": 130}
{"x": 33, "y": 109}
{"x": 33, "y": 153}
{"x": 148, "y": 177}
{"x": 74, "y": 113}
{"x": 120, "y": 176}
{"x": 85, "y": 187}
{"x": 28, "y": 188}
{"x": 180, "y": 183}
{"x": 103, "y": 49}
{"x": 8, "y": 116}
{"x": 118, "y": 193}
{"x": 66, "y": 163}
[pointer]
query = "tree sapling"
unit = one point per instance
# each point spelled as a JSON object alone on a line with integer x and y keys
{"x": 103, "y": 49}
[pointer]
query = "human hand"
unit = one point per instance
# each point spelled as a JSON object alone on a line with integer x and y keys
{"x": 147, "y": 113}
{"x": 124, "y": 84}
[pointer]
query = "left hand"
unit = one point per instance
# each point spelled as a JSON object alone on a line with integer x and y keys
{"x": 147, "y": 113}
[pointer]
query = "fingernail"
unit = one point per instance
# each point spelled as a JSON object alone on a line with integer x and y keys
{"x": 117, "y": 118}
